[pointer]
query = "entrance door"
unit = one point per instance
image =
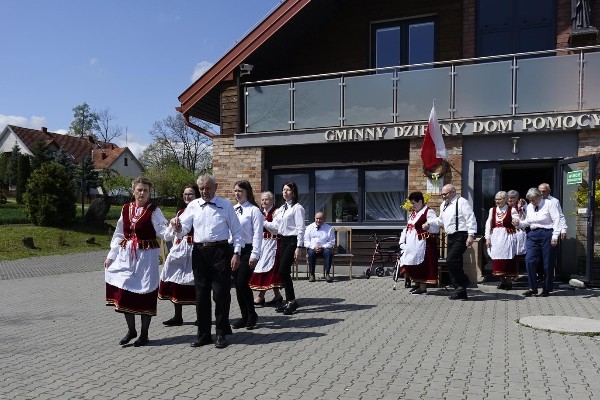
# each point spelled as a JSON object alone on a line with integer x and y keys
{"x": 491, "y": 177}
{"x": 488, "y": 179}
{"x": 577, "y": 183}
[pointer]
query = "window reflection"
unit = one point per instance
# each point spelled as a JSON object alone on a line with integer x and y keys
{"x": 336, "y": 194}
{"x": 385, "y": 192}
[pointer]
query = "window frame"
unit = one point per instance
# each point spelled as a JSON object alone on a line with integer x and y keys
{"x": 361, "y": 220}
{"x": 404, "y": 25}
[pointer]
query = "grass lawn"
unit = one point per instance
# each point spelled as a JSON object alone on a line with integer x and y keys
{"x": 14, "y": 226}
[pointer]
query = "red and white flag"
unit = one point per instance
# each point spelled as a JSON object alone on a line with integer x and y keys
{"x": 433, "y": 150}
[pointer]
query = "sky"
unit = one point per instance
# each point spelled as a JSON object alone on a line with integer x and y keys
{"x": 133, "y": 57}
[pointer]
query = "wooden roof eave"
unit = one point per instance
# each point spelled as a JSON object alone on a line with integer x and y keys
{"x": 226, "y": 65}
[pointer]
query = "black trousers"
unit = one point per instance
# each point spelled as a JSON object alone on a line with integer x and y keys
{"x": 456, "y": 247}
{"x": 241, "y": 277}
{"x": 212, "y": 271}
{"x": 286, "y": 260}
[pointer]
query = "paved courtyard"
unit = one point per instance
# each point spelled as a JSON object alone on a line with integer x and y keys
{"x": 352, "y": 339}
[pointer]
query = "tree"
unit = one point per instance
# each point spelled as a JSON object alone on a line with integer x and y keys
{"x": 23, "y": 173}
{"x": 85, "y": 122}
{"x": 107, "y": 130}
{"x": 168, "y": 181}
{"x": 13, "y": 166}
{"x": 174, "y": 140}
{"x": 157, "y": 155}
{"x": 90, "y": 176}
{"x": 3, "y": 172}
{"x": 39, "y": 154}
{"x": 66, "y": 160}
{"x": 49, "y": 198}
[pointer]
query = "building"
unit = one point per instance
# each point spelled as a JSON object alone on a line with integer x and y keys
{"x": 335, "y": 96}
{"x": 104, "y": 155}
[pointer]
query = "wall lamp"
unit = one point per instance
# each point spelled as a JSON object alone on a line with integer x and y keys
{"x": 515, "y": 149}
{"x": 245, "y": 69}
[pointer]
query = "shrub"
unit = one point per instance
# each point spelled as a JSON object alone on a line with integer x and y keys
{"x": 49, "y": 197}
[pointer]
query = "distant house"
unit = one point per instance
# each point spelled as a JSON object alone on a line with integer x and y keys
{"x": 104, "y": 155}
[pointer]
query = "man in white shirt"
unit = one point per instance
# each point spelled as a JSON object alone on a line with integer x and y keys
{"x": 543, "y": 220}
{"x": 319, "y": 239}
{"x": 545, "y": 190}
{"x": 214, "y": 221}
{"x": 458, "y": 220}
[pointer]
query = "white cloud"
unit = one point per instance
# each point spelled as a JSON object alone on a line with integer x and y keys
{"x": 34, "y": 122}
{"x": 136, "y": 147}
{"x": 200, "y": 69}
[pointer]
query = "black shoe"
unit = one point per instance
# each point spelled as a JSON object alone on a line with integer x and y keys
{"x": 128, "y": 337}
{"x": 328, "y": 278}
{"x": 240, "y": 323}
{"x": 142, "y": 341}
{"x": 202, "y": 342}
{"x": 281, "y": 308}
{"x": 459, "y": 295}
{"x": 414, "y": 288}
{"x": 173, "y": 322}
{"x": 221, "y": 342}
{"x": 530, "y": 292}
{"x": 261, "y": 303}
{"x": 501, "y": 286}
{"x": 275, "y": 300}
{"x": 544, "y": 294}
{"x": 251, "y": 323}
{"x": 291, "y": 308}
{"x": 312, "y": 278}
{"x": 196, "y": 322}
{"x": 418, "y": 291}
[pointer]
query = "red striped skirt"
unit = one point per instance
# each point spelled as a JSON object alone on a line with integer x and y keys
{"x": 178, "y": 294}
{"x": 129, "y": 302}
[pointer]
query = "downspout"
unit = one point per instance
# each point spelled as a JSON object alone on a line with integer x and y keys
{"x": 186, "y": 119}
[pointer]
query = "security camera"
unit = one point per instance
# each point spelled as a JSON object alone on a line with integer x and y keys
{"x": 246, "y": 69}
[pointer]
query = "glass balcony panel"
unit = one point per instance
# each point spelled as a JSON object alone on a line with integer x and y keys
{"x": 483, "y": 89}
{"x": 591, "y": 81}
{"x": 317, "y": 104}
{"x": 547, "y": 84}
{"x": 268, "y": 108}
{"x": 368, "y": 99}
{"x": 418, "y": 89}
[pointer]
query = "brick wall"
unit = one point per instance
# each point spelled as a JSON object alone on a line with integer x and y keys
{"x": 469, "y": 29}
{"x": 231, "y": 165}
{"x": 418, "y": 182}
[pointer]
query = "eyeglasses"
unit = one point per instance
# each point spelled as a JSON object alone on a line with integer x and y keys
{"x": 446, "y": 194}
{"x": 189, "y": 194}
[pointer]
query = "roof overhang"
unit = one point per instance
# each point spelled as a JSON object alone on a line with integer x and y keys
{"x": 224, "y": 69}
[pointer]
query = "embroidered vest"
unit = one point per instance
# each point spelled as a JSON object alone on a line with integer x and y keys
{"x": 506, "y": 221}
{"x": 142, "y": 228}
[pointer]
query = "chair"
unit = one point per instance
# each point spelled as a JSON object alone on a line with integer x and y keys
{"x": 343, "y": 248}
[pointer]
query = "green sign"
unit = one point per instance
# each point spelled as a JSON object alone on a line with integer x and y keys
{"x": 574, "y": 177}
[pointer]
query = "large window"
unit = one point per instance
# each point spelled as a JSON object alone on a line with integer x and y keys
{"x": 515, "y": 26}
{"x": 403, "y": 42}
{"x": 350, "y": 195}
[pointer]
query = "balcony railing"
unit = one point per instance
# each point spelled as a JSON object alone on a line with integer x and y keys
{"x": 554, "y": 81}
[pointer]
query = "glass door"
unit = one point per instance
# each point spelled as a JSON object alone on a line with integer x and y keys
{"x": 487, "y": 183}
{"x": 577, "y": 185}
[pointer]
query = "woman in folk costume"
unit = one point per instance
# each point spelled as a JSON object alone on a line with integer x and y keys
{"x": 520, "y": 205}
{"x": 500, "y": 240}
{"x": 131, "y": 267}
{"x": 177, "y": 277}
{"x": 251, "y": 220}
{"x": 266, "y": 273}
{"x": 420, "y": 253}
